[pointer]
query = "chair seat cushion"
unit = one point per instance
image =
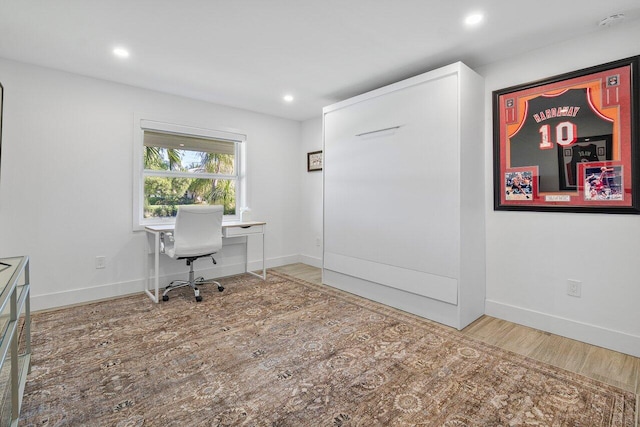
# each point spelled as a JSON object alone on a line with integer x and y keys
{"x": 191, "y": 253}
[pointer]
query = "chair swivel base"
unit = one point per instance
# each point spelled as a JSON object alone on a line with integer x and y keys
{"x": 194, "y": 283}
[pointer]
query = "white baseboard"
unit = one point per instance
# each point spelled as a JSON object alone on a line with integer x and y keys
{"x": 312, "y": 261}
{"x": 274, "y": 262}
{"x": 119, "y": 289}
{"x": 114, "y": 290}
{"x": 85, "y": 295}
{"x": 591, "y": 334}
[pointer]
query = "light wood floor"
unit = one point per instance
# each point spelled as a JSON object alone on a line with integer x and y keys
{"x": 608, "y": 366}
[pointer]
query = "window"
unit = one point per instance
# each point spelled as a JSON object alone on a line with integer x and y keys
{"x": 181, "y": 165}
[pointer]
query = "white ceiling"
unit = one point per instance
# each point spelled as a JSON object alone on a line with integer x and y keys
{"x": 249, "y": 53}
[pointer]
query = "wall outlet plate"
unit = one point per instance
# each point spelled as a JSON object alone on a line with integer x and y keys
{"x": 574, "y": 288}
{"x": 101, "y": 262}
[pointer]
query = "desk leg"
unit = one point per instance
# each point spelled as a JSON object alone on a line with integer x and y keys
{"x": 156, "y": 269}
{"x": 264, "y": 263}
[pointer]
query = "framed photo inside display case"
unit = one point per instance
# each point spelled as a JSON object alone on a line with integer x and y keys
{"x": 569, "y": 143}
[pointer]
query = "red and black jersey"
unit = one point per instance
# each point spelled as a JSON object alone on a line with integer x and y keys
{"x": 552, "y": 123}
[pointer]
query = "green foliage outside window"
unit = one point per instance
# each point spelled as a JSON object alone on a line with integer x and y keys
{"x": 163, "y": 194}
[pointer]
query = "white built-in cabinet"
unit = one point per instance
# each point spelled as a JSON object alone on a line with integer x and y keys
{"x": 404, "y": 195}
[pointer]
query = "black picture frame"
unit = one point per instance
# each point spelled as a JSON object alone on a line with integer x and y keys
{"x": 314, "y": 161}
{"x": 569, "y": 143}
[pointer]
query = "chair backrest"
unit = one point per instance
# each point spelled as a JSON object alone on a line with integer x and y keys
{"x": 198, "y": 230}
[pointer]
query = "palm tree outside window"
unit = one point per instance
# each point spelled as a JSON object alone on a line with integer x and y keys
{"x": 185, "y": 170}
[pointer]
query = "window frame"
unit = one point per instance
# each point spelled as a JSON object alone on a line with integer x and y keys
{"x": 142, "y": 124}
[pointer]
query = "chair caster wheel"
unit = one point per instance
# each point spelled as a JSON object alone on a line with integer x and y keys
{"x": 198, "y": 298}
{"x": 220, "y": 289}
{"x": 165, "y": 297}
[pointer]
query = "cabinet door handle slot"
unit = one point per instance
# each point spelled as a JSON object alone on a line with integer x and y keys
{"x": 379, "y": 130}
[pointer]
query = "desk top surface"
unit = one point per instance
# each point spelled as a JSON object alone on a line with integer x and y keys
{"x": 225, "y": 224}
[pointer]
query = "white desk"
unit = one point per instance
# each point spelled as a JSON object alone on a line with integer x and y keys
{"x": 229, "y": 229}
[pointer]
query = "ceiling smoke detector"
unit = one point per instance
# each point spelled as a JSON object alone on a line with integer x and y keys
{"x": 612, "y": 20}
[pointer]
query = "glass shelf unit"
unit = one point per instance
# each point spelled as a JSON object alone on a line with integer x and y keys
{"x": 15, "y": 336}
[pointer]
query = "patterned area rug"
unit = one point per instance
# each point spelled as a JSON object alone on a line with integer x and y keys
{"x": 289, "y": 353}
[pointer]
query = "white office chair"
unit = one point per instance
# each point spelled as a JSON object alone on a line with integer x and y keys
{"x": 197, "y": 234}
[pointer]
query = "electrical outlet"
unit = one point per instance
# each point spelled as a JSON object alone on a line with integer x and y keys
{"x": 574, "y": 288}
{"x": 101, "y": 262}
{"x": 318, "y": 241}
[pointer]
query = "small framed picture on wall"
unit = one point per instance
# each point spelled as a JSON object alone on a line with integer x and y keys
{"x": 314, "y": 161}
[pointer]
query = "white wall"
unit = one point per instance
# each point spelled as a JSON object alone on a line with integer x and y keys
{"x": 66, "y": 179}
{"x": 311, "y": 196}
{"x": 530, "y": 256}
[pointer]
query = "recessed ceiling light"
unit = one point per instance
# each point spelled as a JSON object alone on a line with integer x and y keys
{"x": 473, "y": 19}
{"x": 121, "y": 52}
{"x": 288, "y": 98}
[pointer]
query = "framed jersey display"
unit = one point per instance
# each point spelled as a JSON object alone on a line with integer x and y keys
{"x": 569, "y": 143}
